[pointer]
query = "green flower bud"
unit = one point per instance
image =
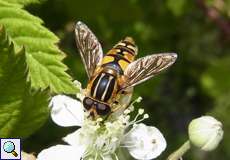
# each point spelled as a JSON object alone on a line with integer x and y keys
{"x": 205, "y": 133}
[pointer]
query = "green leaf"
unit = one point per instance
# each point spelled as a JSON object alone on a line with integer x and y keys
{"x": 22, "y": 2}
{"x": 21, "y": 111}
{"x": 43, "y": 57}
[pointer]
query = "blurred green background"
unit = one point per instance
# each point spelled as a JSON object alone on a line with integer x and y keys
{"x": 197, "y": 84}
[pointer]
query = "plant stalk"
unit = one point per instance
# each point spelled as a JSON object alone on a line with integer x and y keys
{"x": 180, "y": 151}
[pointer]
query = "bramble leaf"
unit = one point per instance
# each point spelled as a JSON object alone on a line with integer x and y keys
{"x": 21, "y": 111}
{"x": 43, "y": 57}
{"x": 22, "y": 2}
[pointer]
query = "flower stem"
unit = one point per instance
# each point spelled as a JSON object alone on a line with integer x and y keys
{"x": 180, "y": 151}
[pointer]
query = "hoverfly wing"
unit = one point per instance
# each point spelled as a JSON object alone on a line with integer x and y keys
{"x": 145, "y": 68}
{"x": 89, "y": 47}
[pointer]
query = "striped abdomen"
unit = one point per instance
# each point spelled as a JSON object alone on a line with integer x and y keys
{"x": 120, "y": 56}
{"x": 103, "y": 86}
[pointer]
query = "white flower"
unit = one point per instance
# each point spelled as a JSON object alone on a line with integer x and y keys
{"x": 205, "y": 132}
{"x": 97, "y": 140}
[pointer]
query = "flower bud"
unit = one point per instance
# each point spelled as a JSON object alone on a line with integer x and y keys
{"x": 205, "y": 133}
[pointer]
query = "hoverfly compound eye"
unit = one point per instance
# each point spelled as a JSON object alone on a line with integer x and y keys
{"x": 88, "y": 102}
{"x": 102, "y": 109}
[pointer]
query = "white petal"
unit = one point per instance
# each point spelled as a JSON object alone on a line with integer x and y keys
{"x": 66, "y": 111}
{"x": 145, "y": 142}
{"x": 61, "y": 152}
{"x": 74, "y": 139}
{"x": 79, "y": 138}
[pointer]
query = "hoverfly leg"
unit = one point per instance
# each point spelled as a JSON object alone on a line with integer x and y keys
{"x": 125, "y": 97}
{"x": 114, "y": 110}
{"x": 121, "y": 107}
{"x": 123, "y": 101}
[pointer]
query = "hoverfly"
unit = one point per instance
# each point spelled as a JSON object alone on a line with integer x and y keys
{"x": 113, "y": 76}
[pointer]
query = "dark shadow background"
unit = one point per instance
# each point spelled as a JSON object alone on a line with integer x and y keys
{"x": 197, "y": 84}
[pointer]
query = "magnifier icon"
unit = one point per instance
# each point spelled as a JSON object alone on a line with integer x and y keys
{"x": 9, "y": 147}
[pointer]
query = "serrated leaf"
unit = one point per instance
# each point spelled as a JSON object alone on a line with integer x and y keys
{"x": 21, "y": 111}
{"x": 22, "y": 2}
{"x": 43, "y": 57}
